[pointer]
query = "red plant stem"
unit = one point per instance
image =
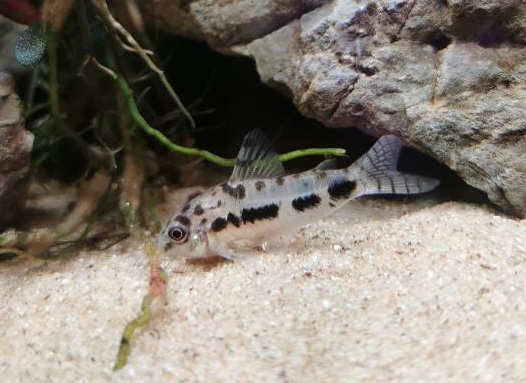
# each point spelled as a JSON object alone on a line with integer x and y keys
{"x": 20, "y": 11}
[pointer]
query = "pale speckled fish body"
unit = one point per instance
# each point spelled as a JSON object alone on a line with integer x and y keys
{"x": 259, "y": 202}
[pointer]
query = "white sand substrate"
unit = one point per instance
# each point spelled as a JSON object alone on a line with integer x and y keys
{"x": 384, "y": 291}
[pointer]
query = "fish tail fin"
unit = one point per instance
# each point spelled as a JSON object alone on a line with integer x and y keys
{"x": 377, "y": 174}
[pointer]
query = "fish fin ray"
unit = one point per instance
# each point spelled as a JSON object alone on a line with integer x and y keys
{"x": 256, "y": 159}
{"x": 378, "y": 174}
{"x": 328, "y": 164}
{"x": 220, "y": 250}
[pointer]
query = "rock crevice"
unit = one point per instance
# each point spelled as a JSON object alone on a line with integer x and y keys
{"x": 449, "y": 77}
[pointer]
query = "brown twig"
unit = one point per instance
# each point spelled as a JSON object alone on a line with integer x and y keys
{"x": 101, "y": 7}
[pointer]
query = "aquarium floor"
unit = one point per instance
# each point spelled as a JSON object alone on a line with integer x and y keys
{"x": 383, "y": 291}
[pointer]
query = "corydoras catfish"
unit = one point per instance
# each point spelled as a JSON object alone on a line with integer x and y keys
{"x": 259, "y": 203}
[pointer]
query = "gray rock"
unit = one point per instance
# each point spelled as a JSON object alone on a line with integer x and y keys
{"x": 15, "y": 151}
{"x": 9, "y": 31}
{"x": 225, "y": 22}
{"x": 449, "y": 77}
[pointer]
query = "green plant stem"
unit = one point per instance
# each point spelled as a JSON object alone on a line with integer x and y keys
{"x": 146, "y": 128}
{"x": 160, "y": 137}
{"x": 129, "y": 330}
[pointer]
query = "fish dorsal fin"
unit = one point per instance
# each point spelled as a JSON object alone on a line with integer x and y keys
{"x": 328, "y": 164}
{"x": 256, "y": 159}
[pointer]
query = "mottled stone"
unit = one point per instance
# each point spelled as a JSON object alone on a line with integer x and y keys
{"x": 15, "y": 151}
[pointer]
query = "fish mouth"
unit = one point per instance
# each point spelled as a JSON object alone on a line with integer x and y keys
{"x": 199, "y": 245}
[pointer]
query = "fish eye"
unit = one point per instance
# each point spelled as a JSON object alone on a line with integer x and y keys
{"x": 178, "y": 233}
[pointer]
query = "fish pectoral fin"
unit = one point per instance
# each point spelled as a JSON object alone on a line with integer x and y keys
{"x": 256, "y": 159}
{"x": 221, "y": 251}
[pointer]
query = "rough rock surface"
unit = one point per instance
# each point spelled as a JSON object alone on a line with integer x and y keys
{"x": 447, "y": 76}
{"x": 9, "y": 30}
{"x": 15, "y": 151}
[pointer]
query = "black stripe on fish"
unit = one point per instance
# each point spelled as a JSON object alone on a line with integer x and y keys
{"x": 306, "y": 202}
{"x": 183, "y": 220}
{"x": 233, "y": 219}
{"x": 218, "y": 224}
{"x": 341, "y": 188}
{"x": 259, "y": 213}
{"x": 237, "y": 192}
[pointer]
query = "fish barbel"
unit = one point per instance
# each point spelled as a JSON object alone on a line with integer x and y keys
{"x": 259, "y": 202}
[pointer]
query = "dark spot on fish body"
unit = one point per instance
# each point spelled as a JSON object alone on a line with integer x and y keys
{"x": 203, "y": 221}
{"x": 260, "y": 185}
{"x": 341, "y": 188}
{"x": 198, "y": 210}
{"x": 241, "y": 193}
{"x": 186, "y": 208}
{"x": 320, "y": 174}
{"x": 280, "y": 181}
{"x": 183, "y": 220}
{"x": 306, "y": 202}
{"x": 233, "y": 219}
{"x": 237, "y": 192}
{"x": 219, "y": 203}
{"x": 259, "y": 213}
{"x": 227, "y": 189}
{"x": 392, "y": 185}
{"x": 218, "y": 224}
{"x": 168, "y": 246}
